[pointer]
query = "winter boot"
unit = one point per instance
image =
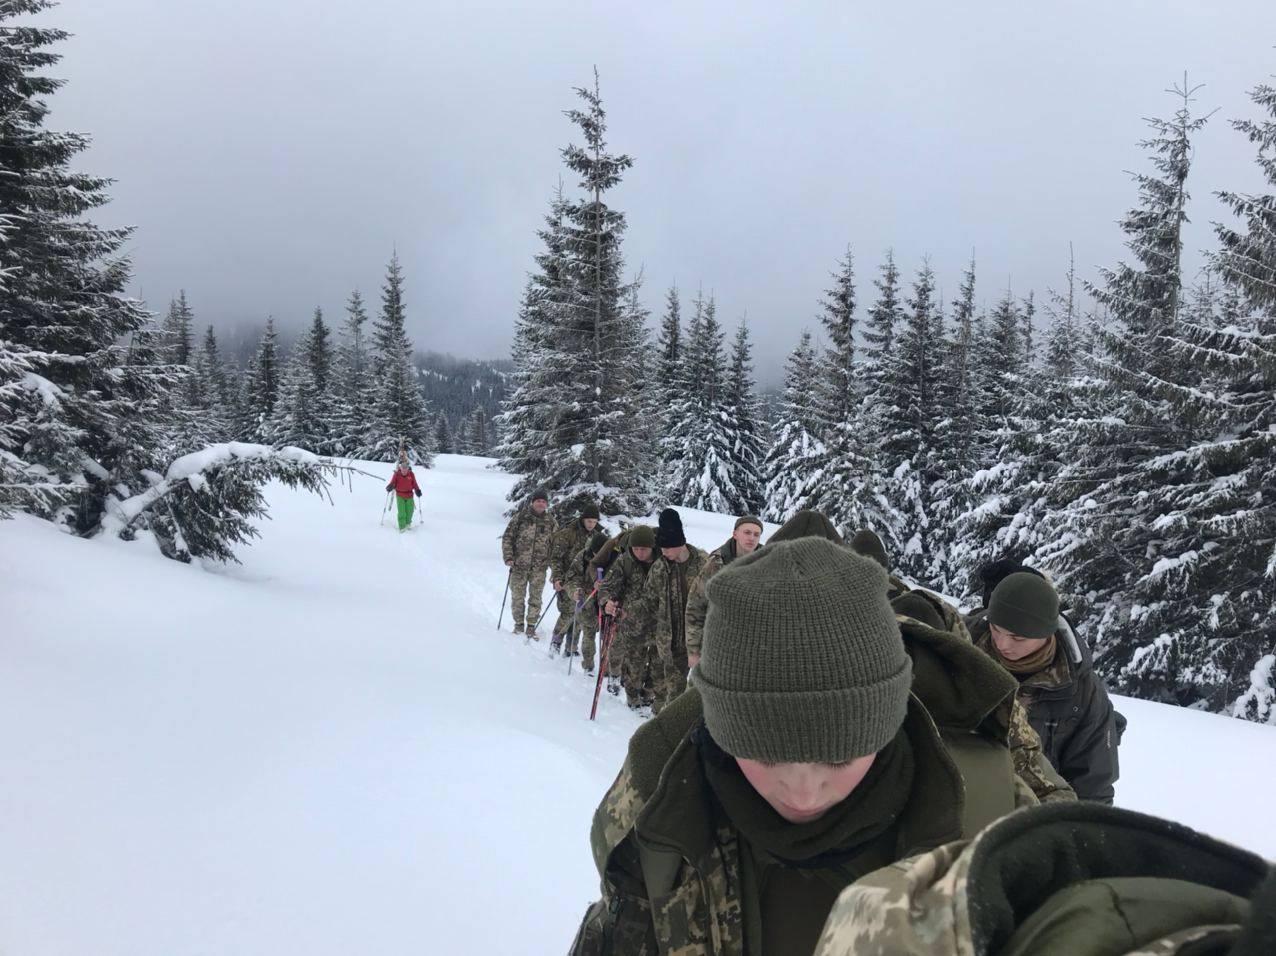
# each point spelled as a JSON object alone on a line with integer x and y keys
{"x": 518, "y": 628}
{"x": 532, "y": 635}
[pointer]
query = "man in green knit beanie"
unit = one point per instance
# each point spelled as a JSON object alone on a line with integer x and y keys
{"x": 799, "y": 761}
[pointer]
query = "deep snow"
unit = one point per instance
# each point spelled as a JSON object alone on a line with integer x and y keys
{"x": 331, "y": 749}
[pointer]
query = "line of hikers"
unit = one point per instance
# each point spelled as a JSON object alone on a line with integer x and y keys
{"x": 647, "y": 588}
{"x": 855, "y": 767}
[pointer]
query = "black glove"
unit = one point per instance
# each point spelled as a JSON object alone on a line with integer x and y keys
{"x": 418, "y": 493}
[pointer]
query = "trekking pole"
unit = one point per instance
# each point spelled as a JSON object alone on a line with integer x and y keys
{"x": 386, "y": 510}
{"x": 537, "y": 625}
{"x": 508, "y": 578}
{"x": 604, "y": 652}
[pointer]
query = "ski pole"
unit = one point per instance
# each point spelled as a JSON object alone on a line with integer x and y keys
{"x": 508, "y": 578}
{"x": 386, "y": 509}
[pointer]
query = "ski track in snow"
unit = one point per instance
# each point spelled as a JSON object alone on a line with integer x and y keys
{"x": 331, "y": 749}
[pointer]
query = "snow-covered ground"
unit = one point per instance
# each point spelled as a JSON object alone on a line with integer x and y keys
{"x": 332, "y": 750}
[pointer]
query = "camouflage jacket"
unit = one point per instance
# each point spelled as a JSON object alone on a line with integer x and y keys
{"x": 1118, "y": 882}
{"x": 624, "y": 579}
{"x": 565, "y": 544}
{"x": 579, "y": 573}
{"x": 947, "y": 649}
{"x": 1069, "y": 708}
{"x": 670, "y": 861}
{"x": 698, "y": 598}
{"x": 526, "y": 539}
{"x": 660, "y": 608}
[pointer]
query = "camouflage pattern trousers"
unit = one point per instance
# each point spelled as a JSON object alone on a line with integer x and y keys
{"x": 669, "y": 680}
{"x": 526, "y": 587}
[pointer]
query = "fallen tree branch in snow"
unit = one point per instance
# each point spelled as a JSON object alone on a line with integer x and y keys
{"x": 204, "y": 503}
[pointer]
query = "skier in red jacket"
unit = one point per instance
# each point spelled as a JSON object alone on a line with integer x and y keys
{"x": 403, "y": 484}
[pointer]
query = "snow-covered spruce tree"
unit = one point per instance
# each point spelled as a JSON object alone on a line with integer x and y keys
{"x": 879, "y": 331}
{"x": 542, "y": 355}
{"x": 1218, "y": 564}
{"x": 842, "y": 491}
{"x": 259, "y": 392}
{"x": 748, "y": 448}
{"x": 1123, "y": 542}
{"x": 354, "y": 386}
{"x": 477, "y": 440}
{"x": 443, "y": 442}
{"x": 399, "y": 417}
{"x": 178, "y": 328}
{"x": 908, "y": 416}
{"x": 211, "y": 398}
{"x": 789, "y": 467}
{"x": 702, "y": 475}
{"x": 669, "y": 343}
{"x": 643, "y": 439}
{"x": 74, "y": 384}
{"x": 680, "y": 385}
{"x": 958, "y": 455}
{"x": 598, "y": 431}
{"x": 665, "y": 390}
{"x": 307, "y": 411}
{"x": 1012, "y": 494}
{"x": 1027, "y": 313}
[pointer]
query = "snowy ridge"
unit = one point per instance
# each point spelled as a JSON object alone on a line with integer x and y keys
{"x": 332, "y": 750}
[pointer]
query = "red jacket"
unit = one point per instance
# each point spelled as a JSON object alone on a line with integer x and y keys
{"x": 403, "y": 485}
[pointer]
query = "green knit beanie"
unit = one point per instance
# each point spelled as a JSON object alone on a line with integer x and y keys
{"x": 806, "y": 524}
{"x": 747, "y": 519}
{"x": 803, "y": 660}
{"x": 590, "y": 511}
{"x": 641, "y": 536}
{"x": 1026, "y": 605}
{"x": 867, "y": 543}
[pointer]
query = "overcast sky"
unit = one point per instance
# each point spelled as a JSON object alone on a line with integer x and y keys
{"x": 272, "y": 153}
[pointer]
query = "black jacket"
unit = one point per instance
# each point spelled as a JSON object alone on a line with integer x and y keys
{"x": 1069, "y": 708}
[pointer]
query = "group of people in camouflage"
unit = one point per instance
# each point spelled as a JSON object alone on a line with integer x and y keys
{"x": 641, "y": 591}
{"x": 852, "y": 766}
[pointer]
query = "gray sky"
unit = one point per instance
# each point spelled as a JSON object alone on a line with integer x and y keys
{"x": 272, "y": 152}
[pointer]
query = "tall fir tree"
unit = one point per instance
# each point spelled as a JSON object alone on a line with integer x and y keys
{"x": 789, "y": 469}
{"x": 399, "y": 417}
{"x": 747, "y": 447}
{"x": 841, "y": 491}
{"x": 542, "y": 353}
{"x": 179, "y": 331}
{"x": 306, "y": 415}
{"x": 880, "y": 328}
{"x": 1118, "y": 541}
{"x": 259, "y": 396}
{"x": 84, "y": 386}
{"x": 355, "y": 386}
{"x": 214, "y": 400}
{"x": 702, "y": 473}
{"x": 600, "y": 433}
{"x": 958, "y": 456}
{"x": 908, "y": 418}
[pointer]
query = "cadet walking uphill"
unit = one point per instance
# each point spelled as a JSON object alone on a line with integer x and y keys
{"x": 798, "y": 762}
{"x": 525, "y": 546}
{"x": 744, "y": 540}
{"x": 1066, "y": 700}
{"x": 569, "y": 590}
{"x": 404, "y": 485}
{"x": 624, "y": 580}
{"x": 660, "y": 609}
